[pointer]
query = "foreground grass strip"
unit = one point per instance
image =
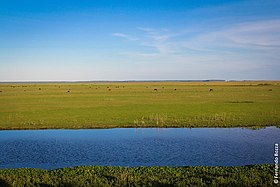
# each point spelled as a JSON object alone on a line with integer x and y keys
{"x": 139, "y": 104}
{"x": 253, "y": 175}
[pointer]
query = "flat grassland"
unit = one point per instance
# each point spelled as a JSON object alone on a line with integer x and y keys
{"x": 139, "y": 104}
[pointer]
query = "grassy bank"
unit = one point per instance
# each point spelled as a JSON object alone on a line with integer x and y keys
{"x": 255, "y": 175}
{"x": 135, "y": 104}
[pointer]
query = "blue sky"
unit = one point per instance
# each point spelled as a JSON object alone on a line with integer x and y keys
{"x": 52, "y": 40}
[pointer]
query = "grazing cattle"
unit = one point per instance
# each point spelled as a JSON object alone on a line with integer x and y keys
{"x": 39, "y": 88}
{"x": 0, "y": 90}
{"x": 155, "y": 89}
{"x": 211, "y": 90}
{"x": 68, "y": 91}
{"x": 270, "y": 90}
{"x": 109, "y": 89}
{"x": 175, "y": 89}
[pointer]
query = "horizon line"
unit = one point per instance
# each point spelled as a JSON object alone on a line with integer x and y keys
{"x": 145, "y": 80}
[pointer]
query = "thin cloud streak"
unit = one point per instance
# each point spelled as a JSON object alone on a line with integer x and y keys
{"x": 236, "y": 48}
{"x": 262, "y": 34}
{"x": 251, "y": 35}
{"x": 125, "y": 36}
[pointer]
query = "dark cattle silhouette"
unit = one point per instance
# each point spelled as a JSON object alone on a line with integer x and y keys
{"x": 155, "y": 89}
{"x": 68, "y": 91}
{"x": 270, "y": 90}
{"x": 211, "y": 90}
{"x": 39, "y": 88}
{"x": 175, "y": 89}
{"x": 109, "y": 89}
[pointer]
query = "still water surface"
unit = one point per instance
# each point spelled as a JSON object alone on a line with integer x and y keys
{"x": 50, "y": 149}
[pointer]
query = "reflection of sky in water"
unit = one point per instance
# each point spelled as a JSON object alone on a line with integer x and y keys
{"x": 50, "y": 149}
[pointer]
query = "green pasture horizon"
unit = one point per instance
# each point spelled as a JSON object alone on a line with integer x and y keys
{"x": 139, "y": 104}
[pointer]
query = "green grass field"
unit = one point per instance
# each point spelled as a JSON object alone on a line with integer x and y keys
{"x": 255, "y": 175}
{"x": 137, "y": 104}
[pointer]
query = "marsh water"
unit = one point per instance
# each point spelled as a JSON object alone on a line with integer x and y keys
{"x": 50, "y": 149}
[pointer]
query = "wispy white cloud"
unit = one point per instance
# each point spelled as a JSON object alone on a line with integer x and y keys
{"x": 248, "y": 35}
{"x": 125, "y": 36}
{"x": 158, "y": 39}
{"x": 234, "y": 48}
{"x": 156, "y": 35}
{"x": 261, "y": 33}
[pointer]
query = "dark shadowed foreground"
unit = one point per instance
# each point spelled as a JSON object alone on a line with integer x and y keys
{"x": 254, "y": 175}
